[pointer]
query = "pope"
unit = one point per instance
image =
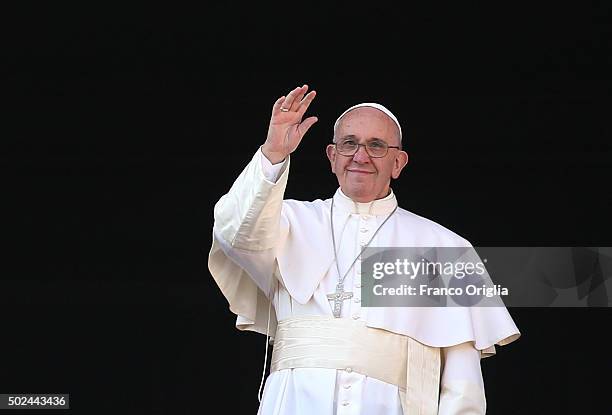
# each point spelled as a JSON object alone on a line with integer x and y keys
{"x": 291, "y": 270}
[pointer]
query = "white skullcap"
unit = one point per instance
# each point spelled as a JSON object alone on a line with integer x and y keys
{"x": 372, "y": 105}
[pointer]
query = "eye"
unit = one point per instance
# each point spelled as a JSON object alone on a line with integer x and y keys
{"x": 348, "y": 142}
{"x": 377, "y": 144}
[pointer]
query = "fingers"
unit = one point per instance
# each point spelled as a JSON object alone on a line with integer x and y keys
{"x": 295, "y": 102}
{"x": 278, "y": 104}
{"x": 306, "y": 124}
{"x": 294, "y": 97}
{"x": 305, "y": 103}
{"x": 298, "y": 98}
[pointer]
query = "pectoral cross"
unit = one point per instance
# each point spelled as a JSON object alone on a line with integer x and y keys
{"x": 339, "y": 296}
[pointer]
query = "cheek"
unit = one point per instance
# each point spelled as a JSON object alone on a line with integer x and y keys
{"x": 339, "y": 166}
{"x": 336, "y": 167}
{"x": 333, "y": 163}
{"x": 385, "y": 171}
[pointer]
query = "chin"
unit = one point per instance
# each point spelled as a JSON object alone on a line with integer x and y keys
{"x": 359, "y": 195}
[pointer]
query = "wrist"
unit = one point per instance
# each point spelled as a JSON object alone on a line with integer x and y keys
{"x": 275, "y": 157}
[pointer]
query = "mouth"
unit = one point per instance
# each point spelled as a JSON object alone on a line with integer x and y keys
{"x": 358, "y": 171}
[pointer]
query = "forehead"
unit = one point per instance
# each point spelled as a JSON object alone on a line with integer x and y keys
{"x": 367, "y": 122}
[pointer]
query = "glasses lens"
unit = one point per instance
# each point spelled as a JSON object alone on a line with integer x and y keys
{"x": 347, "y": 147}
{"x": 373, "y": 148}
{"x": 377, "y": 148}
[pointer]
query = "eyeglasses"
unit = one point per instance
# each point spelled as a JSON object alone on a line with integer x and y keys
{"x": 375, "y": 148}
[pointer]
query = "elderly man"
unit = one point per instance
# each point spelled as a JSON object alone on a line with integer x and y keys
{"x": 291, "y": 269}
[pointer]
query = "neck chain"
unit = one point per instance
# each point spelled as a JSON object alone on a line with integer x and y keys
{"x": 340, "y": 295}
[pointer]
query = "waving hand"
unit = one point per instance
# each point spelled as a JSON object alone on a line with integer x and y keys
{"x": 287, "y": 128}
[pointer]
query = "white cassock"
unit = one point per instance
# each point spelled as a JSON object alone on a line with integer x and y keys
{"x": 265, "y": 248}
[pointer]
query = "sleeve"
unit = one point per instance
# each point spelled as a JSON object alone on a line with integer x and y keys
{"x": 246, "y": 235}
{"x": 247, "y": 219}
{"x": 462, "y": 387}
{"x": 271, "y": 171}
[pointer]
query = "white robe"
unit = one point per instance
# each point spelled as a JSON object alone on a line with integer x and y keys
{"x": 264, "y": 247}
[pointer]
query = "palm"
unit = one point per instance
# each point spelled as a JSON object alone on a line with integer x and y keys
{"x": 287, "y": 128}
{"x": 290, "y": 123}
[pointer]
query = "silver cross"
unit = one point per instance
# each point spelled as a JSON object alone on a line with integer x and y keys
{"x": 339, "y": 296}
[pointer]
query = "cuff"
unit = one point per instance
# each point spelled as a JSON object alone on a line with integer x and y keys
{"x": 271, "y": 171}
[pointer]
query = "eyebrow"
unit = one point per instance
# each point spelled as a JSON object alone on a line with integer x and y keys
{"x": 352, "y": 136}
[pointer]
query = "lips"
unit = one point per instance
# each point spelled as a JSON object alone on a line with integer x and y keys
{"x": 360, "y": 171}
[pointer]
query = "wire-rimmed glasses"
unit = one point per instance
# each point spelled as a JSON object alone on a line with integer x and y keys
{"x": 374, "y": 148}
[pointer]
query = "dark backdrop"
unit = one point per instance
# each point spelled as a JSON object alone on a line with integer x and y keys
{"x": 123, "y": 127}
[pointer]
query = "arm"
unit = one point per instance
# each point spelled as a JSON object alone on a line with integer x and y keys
{"x": 247, "y": 218}
{"x": 462, "y": 387}
{"x": 253, "y": 204}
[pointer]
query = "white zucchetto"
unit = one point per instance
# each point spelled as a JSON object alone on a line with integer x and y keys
{"x": 372, "y": 105}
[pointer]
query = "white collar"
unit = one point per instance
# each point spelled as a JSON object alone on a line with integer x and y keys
{"x": 376, "y": 207}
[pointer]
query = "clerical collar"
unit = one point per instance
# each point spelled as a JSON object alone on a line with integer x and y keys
{"x": 382, "y": 206}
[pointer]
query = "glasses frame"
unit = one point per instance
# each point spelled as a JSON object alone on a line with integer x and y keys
{"x": 366, "y": 150}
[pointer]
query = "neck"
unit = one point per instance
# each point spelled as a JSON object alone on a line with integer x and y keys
{"x": 377, "y": 207}
{"x": 358, "y": 199}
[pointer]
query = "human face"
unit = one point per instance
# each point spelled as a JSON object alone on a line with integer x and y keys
{"x": 361, "y": 177}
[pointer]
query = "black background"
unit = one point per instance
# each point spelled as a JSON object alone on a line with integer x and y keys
{"x": 123, "y": 127}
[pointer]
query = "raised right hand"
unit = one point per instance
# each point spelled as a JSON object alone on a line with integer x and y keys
{"x": 286, "y": 128}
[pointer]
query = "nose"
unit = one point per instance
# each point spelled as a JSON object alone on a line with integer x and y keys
{"x": 361, "y": 156}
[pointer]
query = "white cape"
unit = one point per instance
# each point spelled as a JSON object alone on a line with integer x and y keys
{"x": 304, "y": 253}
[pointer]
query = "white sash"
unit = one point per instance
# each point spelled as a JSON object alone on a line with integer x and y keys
{"x": 337, "y": 343}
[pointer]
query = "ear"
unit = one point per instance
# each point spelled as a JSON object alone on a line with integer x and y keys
{"x": 401, "y": 159}
{"x": 330, "y": 150}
